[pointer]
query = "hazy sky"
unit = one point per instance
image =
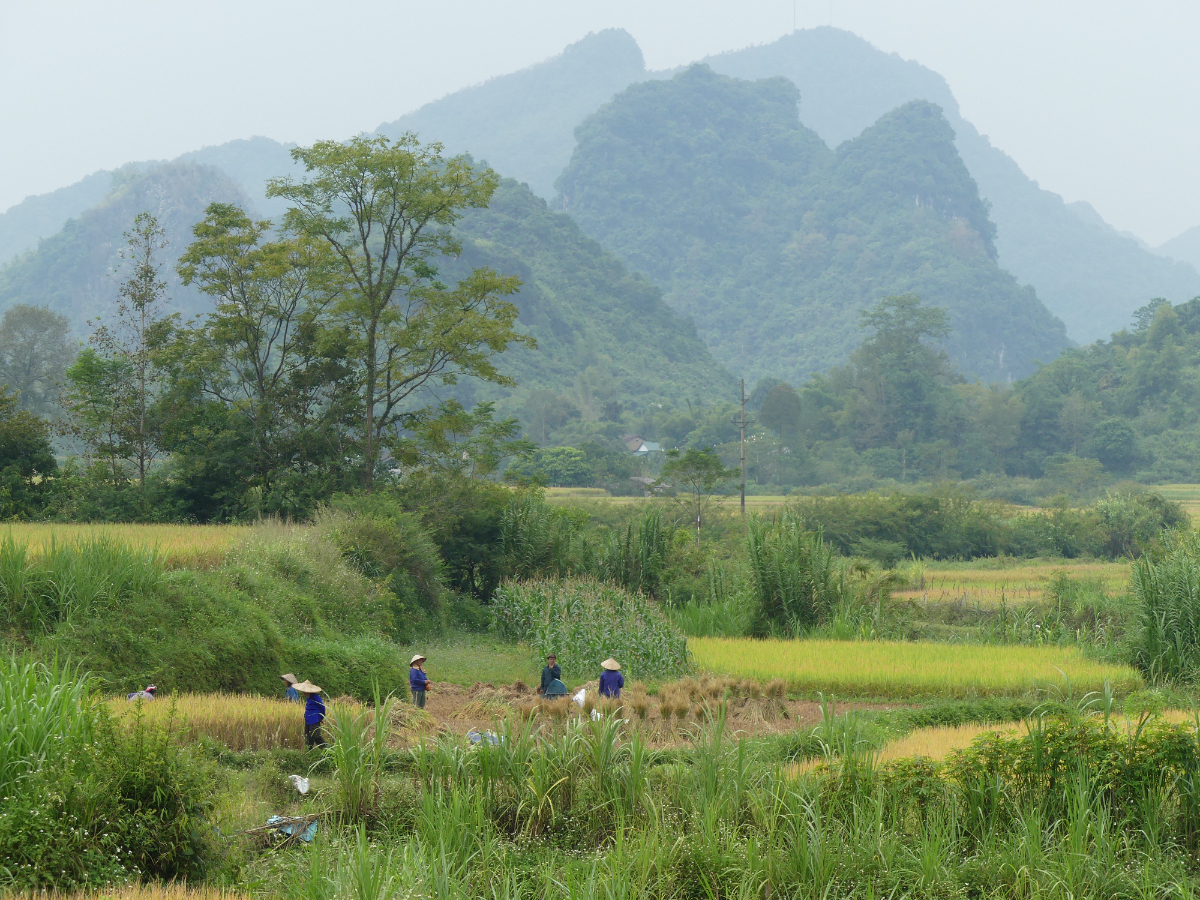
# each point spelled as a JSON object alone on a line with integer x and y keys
{"x": 1097, "y": 100}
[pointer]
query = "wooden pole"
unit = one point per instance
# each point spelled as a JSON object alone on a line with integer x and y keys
{"x": 742, "y": 428}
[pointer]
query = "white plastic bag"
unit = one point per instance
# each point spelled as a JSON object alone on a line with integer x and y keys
{"x": 580, "y": 697}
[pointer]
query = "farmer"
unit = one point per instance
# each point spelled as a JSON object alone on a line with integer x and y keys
{"x": 418, "y": 681}
{"x": 314, "y": 714}
{"x": 290, "y": 693}
{"x": 611, "y": 679}
{"x": 147, "y": 694}
{"x": 550, "y": 672}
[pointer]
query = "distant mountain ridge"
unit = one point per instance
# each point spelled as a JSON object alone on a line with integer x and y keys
{"x": 772, "y": 242}
{"x": 523, "y": 124}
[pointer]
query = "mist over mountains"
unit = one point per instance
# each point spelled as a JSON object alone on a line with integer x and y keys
{"x": 524, "y": 124}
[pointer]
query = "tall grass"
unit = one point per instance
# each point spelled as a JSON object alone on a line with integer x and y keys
{"x": 46, "y": 716}
{"x": 895, "y": 669}
{"x": 1167, "y": 591}
{"x": 584, "y": 621}
{"x": 67, "y": 583}
{"x": 792, "y": 571}
{"x": 358, "y": 740}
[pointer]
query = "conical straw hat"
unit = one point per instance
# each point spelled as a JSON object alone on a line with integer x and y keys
{"x": 306, "y": 687}
{"x": 289, "y": 678}
{"x": 416, "y": 659}
{"x": 611, "y": 664}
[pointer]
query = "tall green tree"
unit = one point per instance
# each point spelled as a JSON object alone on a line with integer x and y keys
{"x": 897, "y": 377}
{"x": 385, "y": 210}
{"x": 100, "y": 403}
{"x": 270, "y": 353}
{"x": 134, "y": 332}
{"x": 35, "y": 350}
{"x": 26, "y": 458}
{"x": 700, "y": 473}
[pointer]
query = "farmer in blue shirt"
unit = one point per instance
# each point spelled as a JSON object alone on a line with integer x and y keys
{"x": 314, "y": 714}
{"x": 418, "y": 681}
{"x": 290, "y": 693}
{"x": 611, "y": 679}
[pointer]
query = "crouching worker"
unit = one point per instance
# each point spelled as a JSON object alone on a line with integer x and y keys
{"x": 611, "y": 679}
{"x": 314, "y": 714}
{"x": 147, "y": 694}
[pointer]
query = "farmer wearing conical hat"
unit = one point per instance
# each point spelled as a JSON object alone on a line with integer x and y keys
{"x": 611, "y": 679}
{"x": 418, "y": 681}
{"x": 290, "y": 693}
{"x": 314, "y": 714}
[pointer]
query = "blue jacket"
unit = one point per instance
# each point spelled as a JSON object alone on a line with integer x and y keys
{"x": 314, "y": 710}
{"x": 611, "y": 683}
{"x": 417, "y": 679}
{"x": 291, "y": 694}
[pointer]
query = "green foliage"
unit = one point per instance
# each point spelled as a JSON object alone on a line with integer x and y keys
{"x": 27, "y": 461}
{"x": 35, "y": 350}
{"x": 87, "y": 802}
{"x": 1167, "y": 591}
{"x": 285, "y": 600}
{"x": 949, "y": 524}
{"x": 384, "y": 209}
{"x": 772, "y": 242}
{"x": 358, "y": 742}
{"x": 386, "y": 542}
{"x": 69, "y": 584}
{"x": 584, "y": 621}
{"x": 793, "y": 574}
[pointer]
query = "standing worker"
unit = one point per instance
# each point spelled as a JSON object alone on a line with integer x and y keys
{"x": 291, "y": 693}
{"x": 611, "y": 679}
{"x": 314, "y": 714}
{"x": 550, "y": 672}
{"x": 418, "y": 681}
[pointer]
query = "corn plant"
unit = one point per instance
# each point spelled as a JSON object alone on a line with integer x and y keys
{"x": 359, "y": 739}
{"x": 584, "y": 620}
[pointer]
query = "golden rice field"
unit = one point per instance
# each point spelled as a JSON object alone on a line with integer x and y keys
{"x": 897, "y": 670}
{"x": 181, "y": 546}
{"x": 240, "y": 722}
{"x": 984, "y": 583}
{"x": 938, "y": 743}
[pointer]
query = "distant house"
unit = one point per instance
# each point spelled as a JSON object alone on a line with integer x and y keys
{"x": 636, "y": 445}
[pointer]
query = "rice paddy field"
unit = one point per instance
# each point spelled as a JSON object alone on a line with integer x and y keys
{"x": 180, "y": 546}
{"x": 889, "y": 669}
{"x": 239, "y": 721}
{"x": 993, "y": 582}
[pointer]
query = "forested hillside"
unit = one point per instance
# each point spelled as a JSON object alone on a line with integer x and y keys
{"x": 773, "y": 243}
{"x": 1088, "y": 275}
{"x": 607, "y": 343}
{"x": 70, "y": 271}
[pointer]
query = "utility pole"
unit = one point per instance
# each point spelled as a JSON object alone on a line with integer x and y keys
{"x": 741, "y": 422}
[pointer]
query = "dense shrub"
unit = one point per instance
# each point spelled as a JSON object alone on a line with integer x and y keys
{"x": 463, "y": 517}
{"x": 949, "y": 524}
{"x": 386, "y": 542}
{"x": 86, "y": 802}
{"x": 584, "y": 621}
